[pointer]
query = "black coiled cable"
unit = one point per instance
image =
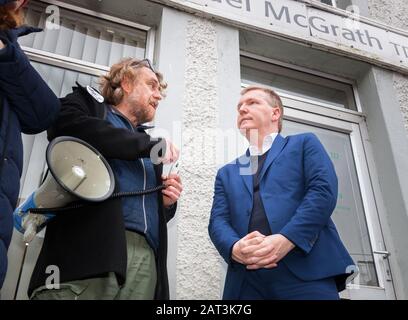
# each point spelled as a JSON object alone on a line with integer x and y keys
{"x": 83, "y": 203}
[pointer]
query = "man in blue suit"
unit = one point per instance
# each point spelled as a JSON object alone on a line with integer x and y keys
{"x": 270, "y": 218}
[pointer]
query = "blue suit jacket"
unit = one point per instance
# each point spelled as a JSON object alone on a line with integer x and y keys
{"x": 298, "y": 187}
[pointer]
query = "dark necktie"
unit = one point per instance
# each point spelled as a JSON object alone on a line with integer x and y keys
{"x": 258, "y": 220}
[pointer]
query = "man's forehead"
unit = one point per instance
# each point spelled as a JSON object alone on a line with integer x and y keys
{"x": 147, "y": 74}
{"x": 254, "y": 94}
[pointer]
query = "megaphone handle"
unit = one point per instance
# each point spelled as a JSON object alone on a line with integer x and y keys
{"x": 30, "y": 232}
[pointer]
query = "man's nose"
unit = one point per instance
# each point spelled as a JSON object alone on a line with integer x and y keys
{"x": 243, "y": 109}
{"x": 157, "y": 95}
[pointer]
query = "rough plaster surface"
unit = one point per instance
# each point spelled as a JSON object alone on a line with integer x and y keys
{"x": 197, "y": 260}
{"x": 394, "y": 13}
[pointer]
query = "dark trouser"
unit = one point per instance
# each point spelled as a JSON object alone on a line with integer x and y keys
{"x": 281, "y": 284}
{"x": 140, "y": 282}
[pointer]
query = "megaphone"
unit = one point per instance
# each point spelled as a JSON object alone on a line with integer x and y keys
{"x": 78, "y": 172}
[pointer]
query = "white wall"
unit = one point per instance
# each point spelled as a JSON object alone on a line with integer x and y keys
{"x": 394, "y": 13}
{"x": 200, "y": 61}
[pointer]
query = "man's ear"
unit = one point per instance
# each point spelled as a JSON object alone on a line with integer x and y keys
{"x": 276, "y": 114}
{"x": 127, "y": 85}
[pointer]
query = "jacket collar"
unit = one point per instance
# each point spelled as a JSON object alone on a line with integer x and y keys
{"x": 143, "y": 127}
{"x": 94, "y": 93}
{"x": 245, "y": 167}
{"x": 139, "y": 127}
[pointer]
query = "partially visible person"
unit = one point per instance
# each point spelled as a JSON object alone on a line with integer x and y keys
{"x": 117, "y": 249}
{"x": 27, "y": 105}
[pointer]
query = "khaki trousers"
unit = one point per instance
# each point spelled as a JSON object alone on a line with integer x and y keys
{"x": 140, "y": 282}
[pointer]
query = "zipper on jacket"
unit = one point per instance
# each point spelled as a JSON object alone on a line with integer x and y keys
{"x": 143, "y": 165}
{"x": 144, "y": 183}
{"x": 143, "y": 197}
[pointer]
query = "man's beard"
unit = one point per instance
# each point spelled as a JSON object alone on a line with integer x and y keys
{"x": 142, "y": 114}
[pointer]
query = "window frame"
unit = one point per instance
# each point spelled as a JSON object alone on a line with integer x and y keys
{"x": 80, "y": 65}
{"x": 310, "y": 72}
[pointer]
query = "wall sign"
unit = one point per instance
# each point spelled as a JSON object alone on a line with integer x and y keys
{"x": 307, "y": 24}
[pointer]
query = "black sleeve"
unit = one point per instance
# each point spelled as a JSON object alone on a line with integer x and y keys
{"x": 170, "y": 212}
{"x": 78, "y": 119}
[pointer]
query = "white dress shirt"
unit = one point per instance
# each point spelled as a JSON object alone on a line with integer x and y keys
{"x": 266, "y": 145}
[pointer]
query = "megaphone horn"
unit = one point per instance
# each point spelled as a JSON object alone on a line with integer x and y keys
{"x": 78, "y": 172}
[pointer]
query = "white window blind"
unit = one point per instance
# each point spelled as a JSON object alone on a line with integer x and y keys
{"x": 83, "y": 37}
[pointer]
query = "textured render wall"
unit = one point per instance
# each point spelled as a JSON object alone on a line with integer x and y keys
{"x": 394, "y": 13}
{"x": 198, "y": 268}
{"x": 401, "y": 84}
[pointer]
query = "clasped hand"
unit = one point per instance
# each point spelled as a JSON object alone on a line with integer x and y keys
{"x": 258, "y": 251}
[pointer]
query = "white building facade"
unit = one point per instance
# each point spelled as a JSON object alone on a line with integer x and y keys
{"x": 340, "y": 66}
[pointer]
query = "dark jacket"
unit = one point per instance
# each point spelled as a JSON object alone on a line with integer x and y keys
{"x": 26, "y": 105}
{"x": 90, "y": 242}
{"x": 2, "y": 2}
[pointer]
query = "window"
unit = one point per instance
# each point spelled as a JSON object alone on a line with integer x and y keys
{"x": 83, "y": 39}
{"x": 295, "y": 83}
{"x": 341, "y": 4}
